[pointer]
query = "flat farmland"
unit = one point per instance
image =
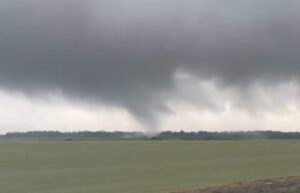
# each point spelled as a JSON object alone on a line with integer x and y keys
{"x": 140, "y": 166}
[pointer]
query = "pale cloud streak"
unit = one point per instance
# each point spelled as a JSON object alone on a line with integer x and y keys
{"x": 209, "y": 105}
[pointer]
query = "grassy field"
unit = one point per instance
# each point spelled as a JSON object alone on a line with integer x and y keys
{"x": 140, "y": 166}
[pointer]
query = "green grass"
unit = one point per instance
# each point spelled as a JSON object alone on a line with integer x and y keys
{"x": 140, "y": 166}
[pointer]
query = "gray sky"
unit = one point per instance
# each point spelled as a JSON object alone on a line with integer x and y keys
{"x": 149, "y": 64}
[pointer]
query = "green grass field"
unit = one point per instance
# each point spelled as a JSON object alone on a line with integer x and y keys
{"x": 140, "y": 166}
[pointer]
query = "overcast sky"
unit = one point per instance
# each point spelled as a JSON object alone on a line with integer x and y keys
{"x": 149, "y": 65}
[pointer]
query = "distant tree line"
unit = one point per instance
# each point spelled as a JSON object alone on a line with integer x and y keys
{"x": 166, "y": 135}
{"x": 237, "y": 135}
{"x": 72, "y": 135}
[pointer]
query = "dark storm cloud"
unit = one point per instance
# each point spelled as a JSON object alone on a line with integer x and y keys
{"x": 126, "y": 52}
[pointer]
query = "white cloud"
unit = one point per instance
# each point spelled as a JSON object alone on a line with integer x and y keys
{"x": 54, "y": 112}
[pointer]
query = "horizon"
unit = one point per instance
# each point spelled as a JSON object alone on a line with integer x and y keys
{"x": 147, "y": 133}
